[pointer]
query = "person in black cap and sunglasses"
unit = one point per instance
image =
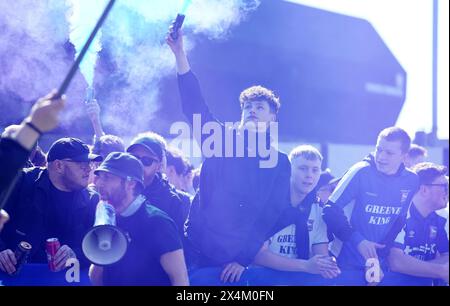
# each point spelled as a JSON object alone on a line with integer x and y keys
{"x": 155, "y": 253}
{"x": 51, "y": 202}
{"x": 150, "y": 149}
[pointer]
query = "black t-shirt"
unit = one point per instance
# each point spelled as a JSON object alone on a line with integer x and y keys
{"x": 58, "y": 221}
{"x": 61, "y": 206}
{"x": 68, "y": 219}
{"x": 152, "y": 233}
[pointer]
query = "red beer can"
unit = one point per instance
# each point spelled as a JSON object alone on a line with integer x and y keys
{"x": 51, "y": 246}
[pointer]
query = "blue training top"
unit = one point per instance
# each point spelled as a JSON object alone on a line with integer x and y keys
{"x": 422, "y": 237}
{"x": 372, "y": 203}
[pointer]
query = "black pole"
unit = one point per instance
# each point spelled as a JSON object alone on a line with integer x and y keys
{"x": 4, "y": 195}
{"x": 65, "y": 84}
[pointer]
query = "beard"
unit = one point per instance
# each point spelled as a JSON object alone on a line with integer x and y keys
{"x": 116, "y": 196}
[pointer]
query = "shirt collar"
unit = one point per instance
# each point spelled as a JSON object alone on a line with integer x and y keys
{"x": 414, "y": 212}
{"x": 133, "y": 207}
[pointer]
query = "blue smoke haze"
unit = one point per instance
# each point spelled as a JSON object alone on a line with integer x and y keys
{"x": 39, "y": 41}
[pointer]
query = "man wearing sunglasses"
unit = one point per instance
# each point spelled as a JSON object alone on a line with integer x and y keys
{"x": 421, "y": 248}
{"x": 51, "y": 202}
{"x": 150, "y": 149}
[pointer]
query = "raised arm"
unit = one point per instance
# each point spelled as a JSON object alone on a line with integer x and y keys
{"x": 14, "y": 151}
{"x": 192, "y": 101}
{"x": 177, "y": 47}
{"x": 44, "y": 116}
{"x": 93, "y": 111}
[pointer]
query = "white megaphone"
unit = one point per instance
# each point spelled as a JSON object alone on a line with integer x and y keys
{"x": 105, "y": 243}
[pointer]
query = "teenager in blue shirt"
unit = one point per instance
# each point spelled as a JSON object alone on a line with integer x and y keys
{"x": 421, "y": 248}
{"x": 366, "y": 208}
{"x": 299, "y": 242}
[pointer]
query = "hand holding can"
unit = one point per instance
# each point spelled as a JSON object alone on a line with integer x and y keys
{"x": 21, "y": 254}
{"x": 51, "y": 246}
{"x": 63, "y": 254}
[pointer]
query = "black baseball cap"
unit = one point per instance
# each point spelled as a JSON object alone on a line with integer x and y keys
{"x": 73, "y": 149}
{"x": 123, "y": 165}
{"x": 150, "y": 144}
{"x": 325, "y": 178}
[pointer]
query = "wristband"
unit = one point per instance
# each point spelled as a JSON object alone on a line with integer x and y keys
{"x": 33, "y": 127}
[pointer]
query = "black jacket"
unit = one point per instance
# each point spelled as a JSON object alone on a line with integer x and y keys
{"x": 35, "y": 218}
{"x": 299, "y": 217}
{"x": 238, "y": 201}
{"x": 162, "y": 195}
{"x": 13, "y": 157}
{"x": 186, "y": 200}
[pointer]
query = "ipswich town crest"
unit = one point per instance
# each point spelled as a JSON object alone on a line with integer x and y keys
{"x": 404, "y": 195}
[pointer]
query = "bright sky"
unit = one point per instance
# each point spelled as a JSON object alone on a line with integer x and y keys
{"x": 407, "y": 28}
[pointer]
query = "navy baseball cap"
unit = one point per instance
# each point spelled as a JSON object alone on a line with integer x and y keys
{"x": 150, "y": 144}
{"x": 123, "y": 165}
{"x": 71, "y": 148}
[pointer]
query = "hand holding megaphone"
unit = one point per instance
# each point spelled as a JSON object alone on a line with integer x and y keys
{"x": 105, "y": 243}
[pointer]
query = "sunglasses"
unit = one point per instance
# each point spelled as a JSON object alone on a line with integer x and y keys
{"x": 147, "y": 161}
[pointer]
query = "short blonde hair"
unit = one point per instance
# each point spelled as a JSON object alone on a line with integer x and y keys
{"x": 306, "y": 151}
